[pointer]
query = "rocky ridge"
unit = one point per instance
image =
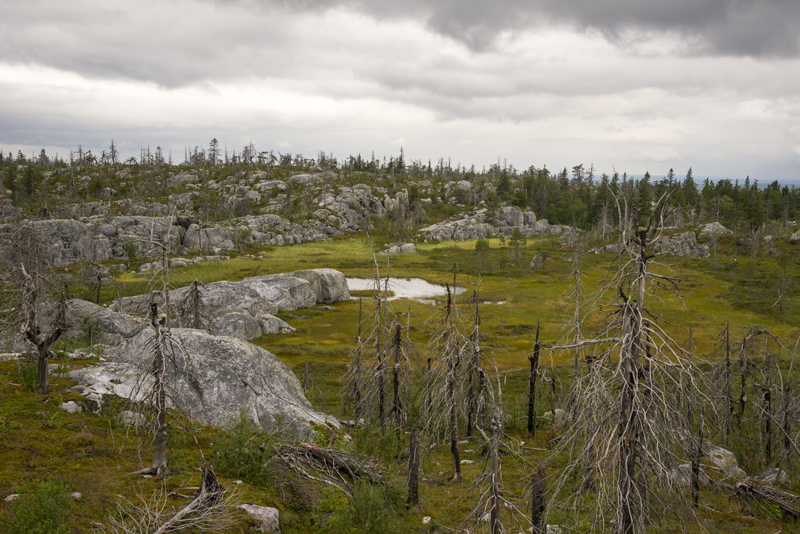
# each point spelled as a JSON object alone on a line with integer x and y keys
{"x": 483, "y": 223}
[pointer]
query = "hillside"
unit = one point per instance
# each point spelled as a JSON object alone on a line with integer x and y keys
{"x": 108, "y": 229}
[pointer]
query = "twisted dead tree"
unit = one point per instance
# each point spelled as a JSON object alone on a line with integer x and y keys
{"x": 31, "y": 307}
{"x": 630, "y": 437}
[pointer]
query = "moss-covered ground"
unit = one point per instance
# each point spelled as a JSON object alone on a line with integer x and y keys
{"x": 92, "y": 453}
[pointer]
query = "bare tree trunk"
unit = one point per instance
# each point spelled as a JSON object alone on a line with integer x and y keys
{"x": 397, "y": 406}
{"x": 767, "y": 425}
{"x": 787, "y": 439}
{"x": 473, "y": 367}
{"x": 413, "y": 469}
{"x": 379, "y": 352}
{"x": 588, "y": 476}
{"x": 451, "y": 382}
{"x": 553, "y": 404}
{"x": 727, "y": 389}
{"x": 357, "y": 371}
{"x": 42, "y": 375}
{"x": 494, "y": 459}
{"x": 743, "y": 392}
{"x": 538, "y": 500}
{"x": 452, "y": 362}
{"x": 628, "y": 433}
{"x": 697, "y": 454}
{"x": 429, "y": 396}
{"x": 166, "y": 282}
{"x": 159, "y": 467}
{"x": 534, "y": 361}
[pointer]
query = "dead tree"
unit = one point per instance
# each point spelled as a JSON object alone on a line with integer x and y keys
{"x": 728, "y": 400}
{"x": 366, "y": 381}
{"x": 353, "y": 380}
{"x": 452, "y": 356}
{"x": 633, "y": 434}
{"x": 210, "y": 510}
{"x": 534, "y": 370}
{"x": 446, "y": 381}
{"x": 29, "y": 287}
{"x": 158, "y": 366}
{"x": 474, "y": 370}
{"x": 538, "y": 500}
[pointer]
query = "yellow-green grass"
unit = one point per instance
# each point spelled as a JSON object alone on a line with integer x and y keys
{"x": 711, "y": 293}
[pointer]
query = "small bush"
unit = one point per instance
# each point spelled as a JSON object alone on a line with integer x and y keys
{"x": 244, "y": 450}
{"x": 28, "y": 372}
{"x": 41, "y": 509}
{"x": 371, "y": 509}
{"x": 130, "y": 249}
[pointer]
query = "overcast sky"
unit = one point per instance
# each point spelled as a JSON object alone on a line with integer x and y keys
{"x": 626, "y": 85}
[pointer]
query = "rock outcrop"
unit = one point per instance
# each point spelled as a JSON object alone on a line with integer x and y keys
{"x": 684, "y": 244}
{"x": 713, "y": 229}
{"x": 214, "y": 378}
{"x": 109, "y": 327}
{"x": 246, "y": 309}
{"x": 484, "y": 223}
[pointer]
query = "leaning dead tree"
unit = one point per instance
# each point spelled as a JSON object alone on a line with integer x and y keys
{"x": 630, "y": 435}
{"x": 328, "y": 466}
{"x": 31, "y": 308}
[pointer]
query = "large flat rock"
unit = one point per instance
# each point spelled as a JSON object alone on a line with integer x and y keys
{"x": 243, "y": 309}
{"x": 211, "y": 379}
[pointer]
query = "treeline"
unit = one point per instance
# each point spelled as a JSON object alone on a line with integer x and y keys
{"x": 578, "y": 196}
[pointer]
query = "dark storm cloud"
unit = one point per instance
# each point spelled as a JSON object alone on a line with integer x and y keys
{"x": 720, "y": 27}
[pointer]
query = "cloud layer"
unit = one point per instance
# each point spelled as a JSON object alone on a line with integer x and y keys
{"x": 630, "y": 86}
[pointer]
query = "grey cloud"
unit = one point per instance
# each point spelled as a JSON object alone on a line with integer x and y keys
{"x": 725, "y": 27}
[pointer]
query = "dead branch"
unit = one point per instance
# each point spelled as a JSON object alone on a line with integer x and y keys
{"x": 328, "y": 466}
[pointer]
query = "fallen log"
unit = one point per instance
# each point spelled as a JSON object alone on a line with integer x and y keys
{"x": 788, "y": 503}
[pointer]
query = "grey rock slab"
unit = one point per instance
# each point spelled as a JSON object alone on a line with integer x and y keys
{"x": 111, "y": 327}
{"x": 724, "y": 460}
{"x": 214, "y": 378}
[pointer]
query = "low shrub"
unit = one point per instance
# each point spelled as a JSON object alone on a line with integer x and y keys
{"x": 41, "y": 509}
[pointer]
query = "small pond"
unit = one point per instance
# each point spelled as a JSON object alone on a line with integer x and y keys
{"x": 404, "y": 288}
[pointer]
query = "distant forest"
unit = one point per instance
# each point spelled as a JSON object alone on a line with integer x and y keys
{"x": 576, "y": 196}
